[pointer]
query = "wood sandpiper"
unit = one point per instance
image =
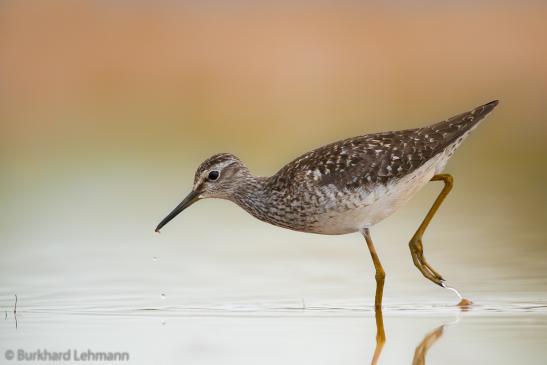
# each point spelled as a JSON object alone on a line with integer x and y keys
{"x": 346, "y": 186}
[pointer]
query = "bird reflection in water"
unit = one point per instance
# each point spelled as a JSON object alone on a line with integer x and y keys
{"x": 427, "y": 342}
{"x": 421, "y": 349}
{"x": 380, "y": 335}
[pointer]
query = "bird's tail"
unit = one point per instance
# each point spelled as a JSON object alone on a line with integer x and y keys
{"x": 452, "y": 132}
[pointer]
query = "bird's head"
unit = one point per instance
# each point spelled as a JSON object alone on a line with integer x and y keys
{"x": 217, "y": 177}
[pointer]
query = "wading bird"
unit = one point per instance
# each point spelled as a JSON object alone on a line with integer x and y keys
{"x": 346, "y": 186}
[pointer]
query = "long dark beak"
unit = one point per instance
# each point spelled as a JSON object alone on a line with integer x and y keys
{"x": 189, "y": 200}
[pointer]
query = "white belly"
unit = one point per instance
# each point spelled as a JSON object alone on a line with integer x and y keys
{"x": 381, "y": 202}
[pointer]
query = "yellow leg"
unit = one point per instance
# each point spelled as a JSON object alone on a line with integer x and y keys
{"x": 380, "y": 273}
{"x": 416, "y": 246}
{"x": 380, "y": 336}
{"x": 423, "y": 347}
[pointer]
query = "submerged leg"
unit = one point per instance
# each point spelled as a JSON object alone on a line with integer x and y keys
{"x": 416, "y": 246}
{"x": 380, "y": 273}
{"x": 380, "y": 336}
{"x": 427, "y": 342}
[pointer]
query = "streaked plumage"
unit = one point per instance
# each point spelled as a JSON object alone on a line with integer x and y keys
{"x": 346, "y": 186}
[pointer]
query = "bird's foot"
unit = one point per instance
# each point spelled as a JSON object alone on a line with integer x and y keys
{"x": 463, "y": 303}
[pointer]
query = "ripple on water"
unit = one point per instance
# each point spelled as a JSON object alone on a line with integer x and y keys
{"x": 298, "y": 307}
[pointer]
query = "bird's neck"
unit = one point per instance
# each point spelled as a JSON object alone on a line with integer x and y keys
{"x": 253, "y": 195}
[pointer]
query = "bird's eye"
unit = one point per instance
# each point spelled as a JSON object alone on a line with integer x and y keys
{"x": 213, "y": 175}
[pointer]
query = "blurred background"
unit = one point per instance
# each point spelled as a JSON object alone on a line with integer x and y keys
{"x": 107, "y": 108}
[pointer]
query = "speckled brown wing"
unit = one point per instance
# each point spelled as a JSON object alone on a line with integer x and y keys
{"x": 377, "y": 158}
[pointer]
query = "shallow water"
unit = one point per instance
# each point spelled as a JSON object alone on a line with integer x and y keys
{"x": 319, "y": 332}
{"x": 246, "y": 310}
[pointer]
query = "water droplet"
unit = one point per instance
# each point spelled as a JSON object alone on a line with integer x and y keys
{"x": 163, "y": 296}
{"x": 163, "y": 322}
{"x": 155, "y": 258}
